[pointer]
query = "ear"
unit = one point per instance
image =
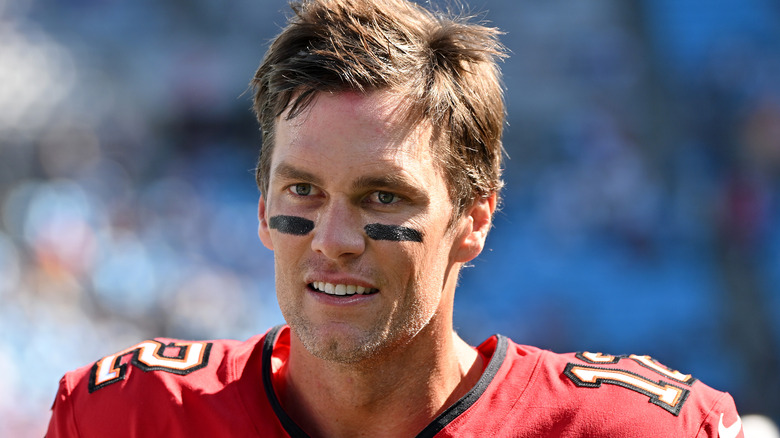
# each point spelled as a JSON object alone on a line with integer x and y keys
{"x": 262, "y": 228}
{"x": 475, "y": 223}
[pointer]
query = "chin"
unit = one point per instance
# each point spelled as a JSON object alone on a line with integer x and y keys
{"x": 340, "y": 343}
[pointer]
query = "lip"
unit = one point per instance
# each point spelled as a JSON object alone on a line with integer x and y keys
{"x": 339, "y": 300}
{"x": 339, "y": 279}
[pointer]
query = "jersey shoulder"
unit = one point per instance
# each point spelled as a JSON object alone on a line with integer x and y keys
{"x": 623, "y": 393}
{"x": 145, "y": 387}
{"x": 162, "y": 363}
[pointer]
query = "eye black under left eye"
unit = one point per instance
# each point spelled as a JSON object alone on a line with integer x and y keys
{"x": 393, "y": 232}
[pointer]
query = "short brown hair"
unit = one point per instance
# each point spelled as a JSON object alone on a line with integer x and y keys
{"x": 445, "y": 65}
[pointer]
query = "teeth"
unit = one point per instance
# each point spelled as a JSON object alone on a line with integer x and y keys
{"x": 341, "y": 289}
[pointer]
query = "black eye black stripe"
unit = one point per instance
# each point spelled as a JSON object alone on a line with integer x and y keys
{"x": 294, "y": 225}
{"x": 392, "y": 232}
{"x": 299, "y": 226}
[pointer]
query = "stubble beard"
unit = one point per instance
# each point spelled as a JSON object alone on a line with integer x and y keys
{"x": 357, "y": 344}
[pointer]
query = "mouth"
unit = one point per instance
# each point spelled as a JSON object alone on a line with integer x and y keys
{"x": 346, "y": 290}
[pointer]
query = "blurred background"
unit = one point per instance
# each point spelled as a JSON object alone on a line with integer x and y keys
{"x": 641, "y": 214}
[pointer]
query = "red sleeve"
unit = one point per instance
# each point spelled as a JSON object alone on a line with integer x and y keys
{"x": 722, "y": 421}
{"x": 62, "y": 422}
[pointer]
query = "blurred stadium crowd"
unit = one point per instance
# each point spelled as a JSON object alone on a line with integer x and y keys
{"x": 642, "y": 212}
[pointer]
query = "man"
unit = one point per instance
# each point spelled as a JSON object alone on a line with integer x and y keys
{"x": 379, "y": 171}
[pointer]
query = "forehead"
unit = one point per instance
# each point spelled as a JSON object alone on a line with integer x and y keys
{"x": 372, "y": 127}
{"x": 384, "y": 112}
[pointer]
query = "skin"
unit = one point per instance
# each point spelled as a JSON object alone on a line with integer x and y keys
{"x": 344, "y": 163}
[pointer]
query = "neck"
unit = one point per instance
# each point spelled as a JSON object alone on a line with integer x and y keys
{"x": 394, "y": 395}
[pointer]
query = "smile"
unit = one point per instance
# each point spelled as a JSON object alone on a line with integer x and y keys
{"x": 341, "y": 289}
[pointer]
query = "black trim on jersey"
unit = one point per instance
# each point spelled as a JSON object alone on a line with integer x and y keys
{"x": 472, "y": 396}
{"x": 432, "y": 429}
{"x": 268, "y": 349}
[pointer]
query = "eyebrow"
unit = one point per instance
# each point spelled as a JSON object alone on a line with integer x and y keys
{"x": 393, "y": 181}
{"x": 289, "y": 172}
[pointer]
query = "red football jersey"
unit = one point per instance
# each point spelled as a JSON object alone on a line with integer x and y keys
{"x": 181, "y": 389}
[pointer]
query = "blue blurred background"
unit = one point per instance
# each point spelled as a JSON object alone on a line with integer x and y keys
{"x": 641, "y": 213}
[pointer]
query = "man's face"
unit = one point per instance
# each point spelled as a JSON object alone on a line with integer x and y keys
{"x": 357, "y": 213}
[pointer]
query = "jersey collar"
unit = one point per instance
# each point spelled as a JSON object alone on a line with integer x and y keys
{"x": 439, "y": 423}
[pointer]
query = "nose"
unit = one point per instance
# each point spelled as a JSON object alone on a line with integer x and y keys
{"x": 337, "y": 233}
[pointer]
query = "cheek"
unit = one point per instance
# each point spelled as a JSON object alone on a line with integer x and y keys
{"x": 408, "y": 248}
{"x": 290, "y": 254}
{"x": 413, "y": 262}
{"x": 287, "y": 233}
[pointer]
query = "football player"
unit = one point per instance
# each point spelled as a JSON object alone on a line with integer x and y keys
{"x": 380, "y": 171}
